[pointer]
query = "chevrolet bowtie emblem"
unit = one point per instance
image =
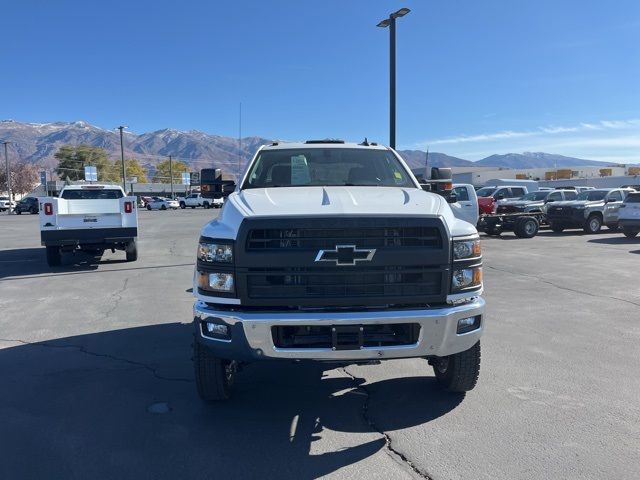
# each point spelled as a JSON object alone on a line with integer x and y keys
{"x": 346, "y": 255}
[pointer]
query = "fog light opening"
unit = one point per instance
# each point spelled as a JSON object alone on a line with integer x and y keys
{"x": 469, "y": 324}
{"x": 216, "y": 330}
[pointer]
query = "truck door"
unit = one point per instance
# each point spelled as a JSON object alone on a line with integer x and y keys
{"x": 612, "y": 207}
{"x": 466, "y": 206}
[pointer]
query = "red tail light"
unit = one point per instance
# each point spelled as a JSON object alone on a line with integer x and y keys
{"x": 128, "y": 207}
{"x": 48, "y": 209}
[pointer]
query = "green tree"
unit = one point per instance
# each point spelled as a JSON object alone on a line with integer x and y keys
{"x": 133, "y": 169}
{"x": 73, "y": 158}
{"x": 162, "y": 171}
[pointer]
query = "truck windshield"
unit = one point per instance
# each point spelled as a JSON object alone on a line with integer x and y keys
{"x": 535, "y": 196}
{"x": 592, "y": 195}
{"x": 327, "y": 167}
{"x": 92, "y": 194}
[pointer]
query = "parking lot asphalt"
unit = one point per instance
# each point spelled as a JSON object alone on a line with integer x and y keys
{"x": 96, "y": 379}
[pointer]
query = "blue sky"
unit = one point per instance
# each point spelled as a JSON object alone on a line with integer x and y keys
{"x": 474, "y": 77}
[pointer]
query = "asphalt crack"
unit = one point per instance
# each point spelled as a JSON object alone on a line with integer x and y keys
{"x": 82, "y": 349}
{"x": 561, "y": 287}
{"x": 117, "y": 297}
{"x": 387, "y": 439}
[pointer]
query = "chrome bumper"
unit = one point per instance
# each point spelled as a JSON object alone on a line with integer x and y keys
{"x": 437, "y": 337}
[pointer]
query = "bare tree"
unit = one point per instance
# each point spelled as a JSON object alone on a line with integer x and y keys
{"x": 24, "y": 177}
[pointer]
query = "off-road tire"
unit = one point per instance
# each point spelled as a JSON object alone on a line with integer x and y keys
{"x": 593, "y": 224}
{"x": 630, "y": 232}
{"x": 131, "y": 251}
{"x": 459, "y": 372}
{"x": 214, "y": 376}
{"x": 556, "y": 227}
{"x": 183, "y": 205}
{"x": 526, "y": 227}
{"x": 54, "y": 256}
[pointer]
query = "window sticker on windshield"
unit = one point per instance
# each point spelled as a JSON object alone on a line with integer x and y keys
{"x": 300, "y": 170}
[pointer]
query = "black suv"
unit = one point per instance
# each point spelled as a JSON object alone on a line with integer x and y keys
{"x": 29, "y": 204}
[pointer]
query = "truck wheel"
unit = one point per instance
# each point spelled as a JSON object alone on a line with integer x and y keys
{"x": 149, "y": 207}
{"x": 163, "y": 207}
{"x": 183, "y": 205}
{"x": 556, "y": 227}
{"x": 132, "y": 251}
{"x": 214, "y": 376}
{"x": 206, "y": 205}
{"x": 593, "y": 224}
{"x": 630, "y": 232}
{"x": 54, "y": 257}
{"x": 459, "y": 372}
{"x": 33, "y": 211}
{"x": 494, "y": 231}
{"x": 526, "y": 227}
{"x": 18, "y": 212}
{"x": 193, "y": 206}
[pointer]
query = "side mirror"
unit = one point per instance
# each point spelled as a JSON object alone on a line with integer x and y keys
{"x": 500, "y": 196}
{"x": 452, "y": 198}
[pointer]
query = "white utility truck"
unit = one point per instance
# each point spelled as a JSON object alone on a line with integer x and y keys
{"x": 197, "y": 200}
{"x": 91, "y": 218}
{"x": 333, "y": 252}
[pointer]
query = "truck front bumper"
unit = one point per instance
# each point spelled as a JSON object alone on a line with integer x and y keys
{"x": 250, "y": 333}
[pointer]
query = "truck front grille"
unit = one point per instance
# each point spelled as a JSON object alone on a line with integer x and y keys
{"x": 319, "y": 282}
{"x": 364, "y": 237}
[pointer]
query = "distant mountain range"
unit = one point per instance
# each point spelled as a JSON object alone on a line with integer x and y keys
{"x": 38, "y": 142}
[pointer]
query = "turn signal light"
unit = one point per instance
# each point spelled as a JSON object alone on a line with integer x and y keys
{"x": 48, "y": 209}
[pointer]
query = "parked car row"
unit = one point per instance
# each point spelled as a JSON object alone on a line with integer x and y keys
{"x": 193, "y": 200}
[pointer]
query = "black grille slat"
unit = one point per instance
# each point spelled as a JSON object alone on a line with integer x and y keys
{"x": 313, "y": 282}
{"x": 368, "y": 237}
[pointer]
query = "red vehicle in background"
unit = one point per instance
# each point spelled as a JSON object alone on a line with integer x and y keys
{"x": 488, "y": 197}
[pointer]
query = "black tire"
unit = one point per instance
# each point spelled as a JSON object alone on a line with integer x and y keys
{"x": 183, "y": 205}
{"x": 33, "y": 211}
{"x": 526, "y": 227}
{"x": 18, "y": 212}
{"x": 494, "y": 231}
{"x": 149, "y": 207}
{"x": 630, "y": 232}
{"x": 614, "y": 227}
{"x": 459, "y": 372}
{"x": 163, "y": 207}
{"x": 206, "y": 205}
{"x": 593, "y": 224}
{"x": 131, "y": 251}
{"x": 54, "y": 257}
{"x": 214, "y": 376}
{"x": 193, "y": 207}
{"x": 556, "y": 227}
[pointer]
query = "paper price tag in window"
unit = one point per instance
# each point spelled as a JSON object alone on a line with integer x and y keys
{"x": 299, "y": 171}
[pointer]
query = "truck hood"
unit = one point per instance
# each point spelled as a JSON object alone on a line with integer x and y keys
{"x": 575, "y": 203}
{"x": 337, "y": 201}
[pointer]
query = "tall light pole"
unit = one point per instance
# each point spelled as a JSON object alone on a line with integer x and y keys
{"x": 171, "y": 174}
{"x": 391, "y": 23}
{"x": 6, "y": 164}
{"x": 124, "y": 185}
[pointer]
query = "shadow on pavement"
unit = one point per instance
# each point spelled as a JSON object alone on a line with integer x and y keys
{"x": 621, "y": 240}
{"x": 79, "y": 407}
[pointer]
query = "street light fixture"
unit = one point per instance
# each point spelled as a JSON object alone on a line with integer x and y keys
{"x": 391, "y": 22}
{"x": 124, "y": 185}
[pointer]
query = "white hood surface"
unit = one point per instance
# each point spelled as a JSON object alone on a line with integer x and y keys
{"x": 328, "y": 201}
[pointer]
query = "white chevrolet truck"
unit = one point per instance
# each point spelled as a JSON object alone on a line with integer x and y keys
{"x": 330, "y": 251}
{"x": 90, "y": 218}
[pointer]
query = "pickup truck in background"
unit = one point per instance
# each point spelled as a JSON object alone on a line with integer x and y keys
{"x": 488, "y": 197}
{"x": 465, "y": 206}
{"x": 197, "y": 200}
{"x": 333, "y": 252}
{"x": 90, "y": 218}
{"x": 590, "y": 210}
{"x": 629, "y": 215}
{"x": 535, "y": 201}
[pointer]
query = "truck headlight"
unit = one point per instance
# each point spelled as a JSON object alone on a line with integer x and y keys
{"x": 466, "y": 278}
{"x": 216, "y": 282}
{"x": 465, "y": 249}
{"x": 215, "y": 252}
